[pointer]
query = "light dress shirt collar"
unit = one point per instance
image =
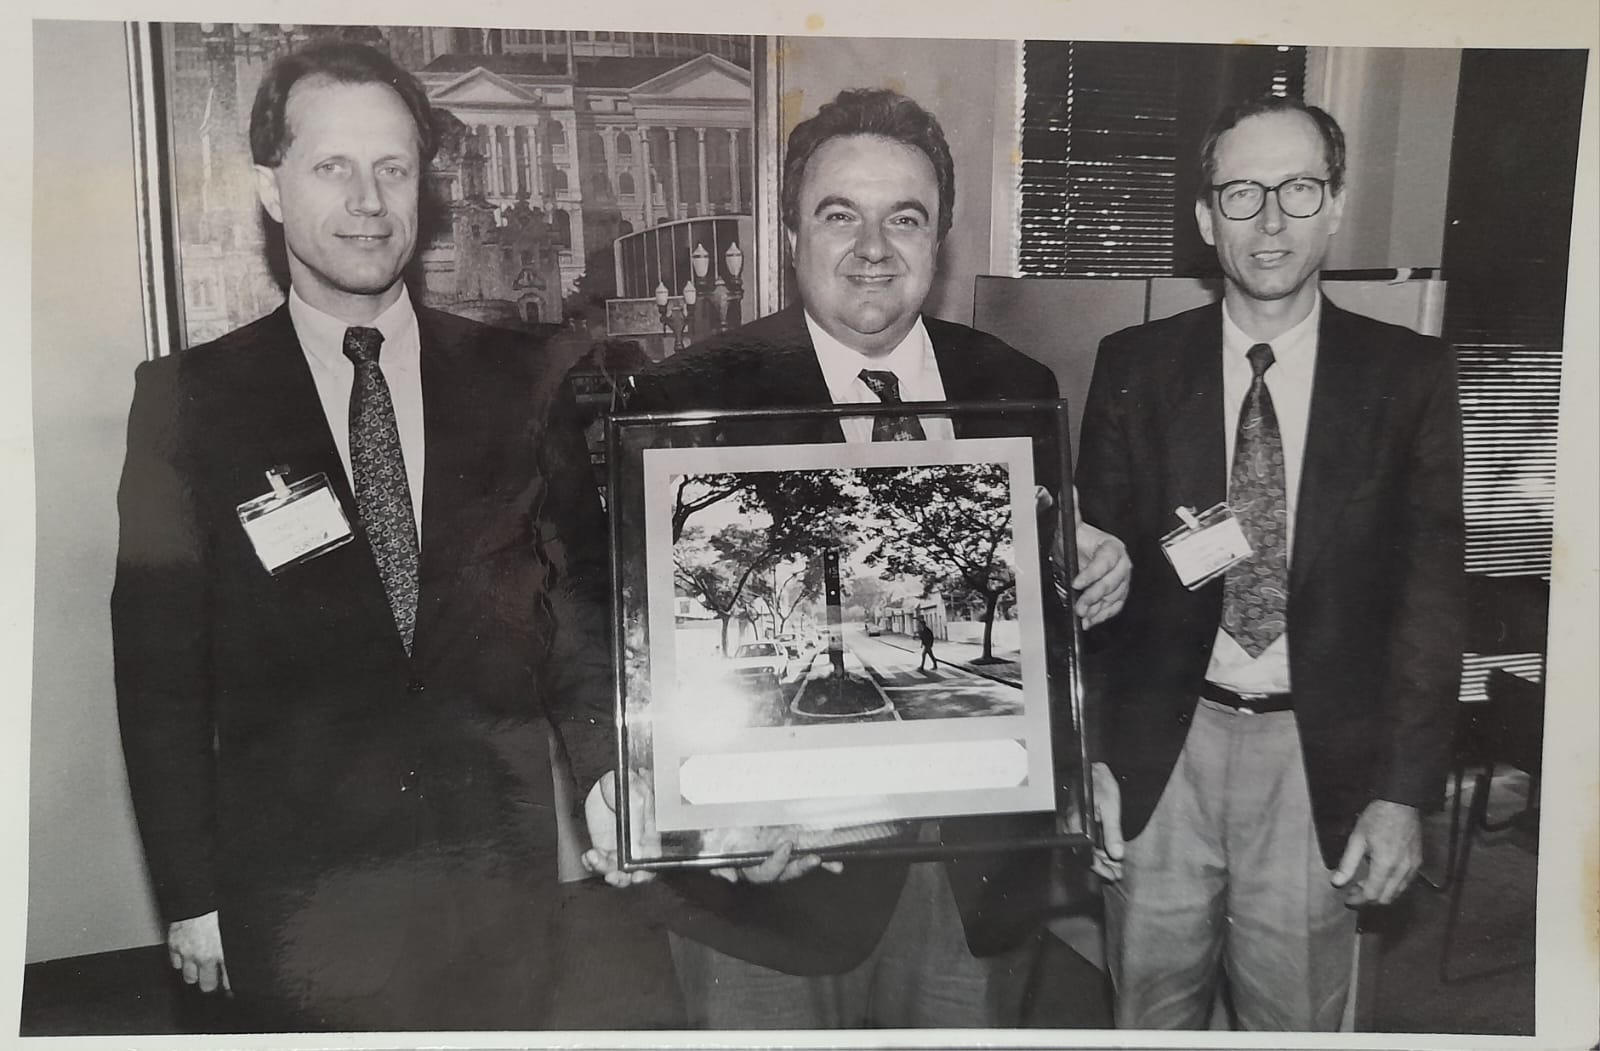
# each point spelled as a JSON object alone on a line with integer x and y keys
{"x": 912, "y": 361}
{"x": 322, "y": 335}
{"x": 321, "y": 338}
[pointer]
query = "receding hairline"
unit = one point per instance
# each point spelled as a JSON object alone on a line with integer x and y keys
{"x": 1305, "y": 120}
{"x": 1334, "y": 156}
{"x": 323, "y": 79}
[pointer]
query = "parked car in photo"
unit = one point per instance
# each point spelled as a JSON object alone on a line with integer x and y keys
{"x": 768, "y": 658}
{"x": 791, "y": 645}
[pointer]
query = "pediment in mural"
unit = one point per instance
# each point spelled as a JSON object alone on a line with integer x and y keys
{"x": 706, "y": 77}
{"x": 482, "y": 88}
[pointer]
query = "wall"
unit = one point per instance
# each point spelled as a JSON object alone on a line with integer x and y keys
{"x": 966, "y": 84}
{"x": 87, "y": 891}
{"x": 1397, "y": 108}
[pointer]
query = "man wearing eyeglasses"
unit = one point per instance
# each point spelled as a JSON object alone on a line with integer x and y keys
{"x": 1273, "y": 730}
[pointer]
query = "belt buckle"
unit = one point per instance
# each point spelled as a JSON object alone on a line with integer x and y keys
{"x": 1250, "y": 697}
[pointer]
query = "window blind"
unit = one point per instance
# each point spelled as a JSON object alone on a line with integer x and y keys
{"x": 1099, "y": 147}
{"x": 1510, "y": 375}
{"x": 1109, "y": 135}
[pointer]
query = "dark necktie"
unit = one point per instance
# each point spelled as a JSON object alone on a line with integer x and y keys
{"x": 1255, "y": 595}
{"x": 886, "y": 385}
{"x": 378, "y": 473}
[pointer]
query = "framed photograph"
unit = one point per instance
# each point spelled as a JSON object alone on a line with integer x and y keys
{"x": 861, "y": 647}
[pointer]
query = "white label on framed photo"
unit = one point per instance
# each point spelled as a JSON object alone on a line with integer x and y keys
{"x": 816, "y": 773}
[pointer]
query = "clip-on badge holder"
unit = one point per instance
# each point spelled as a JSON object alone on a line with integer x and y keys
{"x": 293, "y": 523}
{"x": 1206, "y": 545}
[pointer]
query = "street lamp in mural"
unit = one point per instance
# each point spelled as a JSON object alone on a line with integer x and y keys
{"x": 690, "y": 266}
{"x": 675, "y": 318}
{"x": 250, "y": 41}
{"x": 722, "y": 296}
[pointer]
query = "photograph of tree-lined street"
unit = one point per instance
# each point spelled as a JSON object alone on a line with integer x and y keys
{"x": 845, "y": 594}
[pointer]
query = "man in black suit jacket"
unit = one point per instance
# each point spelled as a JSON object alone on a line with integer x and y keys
{"x": 339, "y": 747}
{"x": 868, "y": 192}
{"x": 1273, "y": 733}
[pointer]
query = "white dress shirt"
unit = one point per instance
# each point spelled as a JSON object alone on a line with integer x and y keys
{"x": 912, "y": 363}
{"x": 1289, "y": 382}
{"x": 322, "y": 341}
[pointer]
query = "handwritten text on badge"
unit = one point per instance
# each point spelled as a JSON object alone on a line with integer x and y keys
{"x": 1206, "y": 545}
{"x": 293, "y": 523}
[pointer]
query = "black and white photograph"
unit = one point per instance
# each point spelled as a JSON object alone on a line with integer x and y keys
{"x": 480, "y": 577}
{"x": 793, "y": 613}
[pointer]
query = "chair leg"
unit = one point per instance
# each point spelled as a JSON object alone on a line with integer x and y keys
{"x": 1454, "y": 843}
{"x": 1477, "y": 814}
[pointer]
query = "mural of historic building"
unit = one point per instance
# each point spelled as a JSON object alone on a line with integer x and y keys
{"x": 605, "y": 147}
{"x": 556, "y": 145}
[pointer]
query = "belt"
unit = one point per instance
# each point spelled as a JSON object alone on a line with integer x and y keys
{"x": 1253, "y": 703}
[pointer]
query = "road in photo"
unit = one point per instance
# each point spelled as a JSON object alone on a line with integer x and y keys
{"x": 945, "y": 692}
{"x": 728, "y": 693}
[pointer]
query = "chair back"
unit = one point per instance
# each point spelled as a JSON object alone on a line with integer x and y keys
{"x": 1507, "y": 614}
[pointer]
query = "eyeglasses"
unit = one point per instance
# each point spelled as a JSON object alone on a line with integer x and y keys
{"x": 1299, "y": 198}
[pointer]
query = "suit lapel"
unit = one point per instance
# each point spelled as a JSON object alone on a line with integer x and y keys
{"x": 453, "y": 464}
{"x": 291, "y": 425}
{"x": 1194, "y": 444}
{"x": 1339, "y": 436}
{"x": 291, "y": 429}
{"x": 960, "y": 380}
{"x": 793, "y": 379}
{"x": 784, "y": 373}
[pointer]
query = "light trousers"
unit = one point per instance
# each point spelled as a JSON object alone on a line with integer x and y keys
{"x": 1227, "y": 879}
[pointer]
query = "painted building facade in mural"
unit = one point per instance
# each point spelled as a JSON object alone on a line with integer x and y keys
{"x": 556, "y": 146}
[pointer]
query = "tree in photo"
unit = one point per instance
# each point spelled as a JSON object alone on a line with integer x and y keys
{"x": 866, "y": 595}
{"x": 779, "y": 591}
{"x": 949, "y": 526}
{"x": 696, "y": 492}
{"x": 785, "y": 516}
{"x": 716, "y": 569}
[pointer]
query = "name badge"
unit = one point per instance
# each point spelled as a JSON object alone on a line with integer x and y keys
{"x": 1206, "y": 545}
{"x": 293, "y": 523}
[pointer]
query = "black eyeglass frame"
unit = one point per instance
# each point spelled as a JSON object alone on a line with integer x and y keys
{"x": 1322, "y": 198}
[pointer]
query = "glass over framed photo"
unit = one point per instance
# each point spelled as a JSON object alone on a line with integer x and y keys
{"x": 861, "y": 647}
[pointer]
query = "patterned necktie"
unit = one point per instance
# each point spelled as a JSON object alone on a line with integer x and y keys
{"x": 1255, "y": 594}
{"x": 886, "y": 385}
{"x": 378, "y": 469}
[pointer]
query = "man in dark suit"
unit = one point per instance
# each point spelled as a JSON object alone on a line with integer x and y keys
{"x": 1273, "y": 732}
{"x": 350, "y": 532}
{"x": 867, "y": 197}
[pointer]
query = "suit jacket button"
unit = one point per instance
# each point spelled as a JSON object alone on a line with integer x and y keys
{"x": 416, "y": 686}
{"x": 408, "y": 783}
{"x": 1183, "y": 718}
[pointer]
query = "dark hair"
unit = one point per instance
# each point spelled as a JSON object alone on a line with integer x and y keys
{"x": 869, "y": 111}
{"x": 1239, "y": 112}
{"x": 345, "y": 63}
